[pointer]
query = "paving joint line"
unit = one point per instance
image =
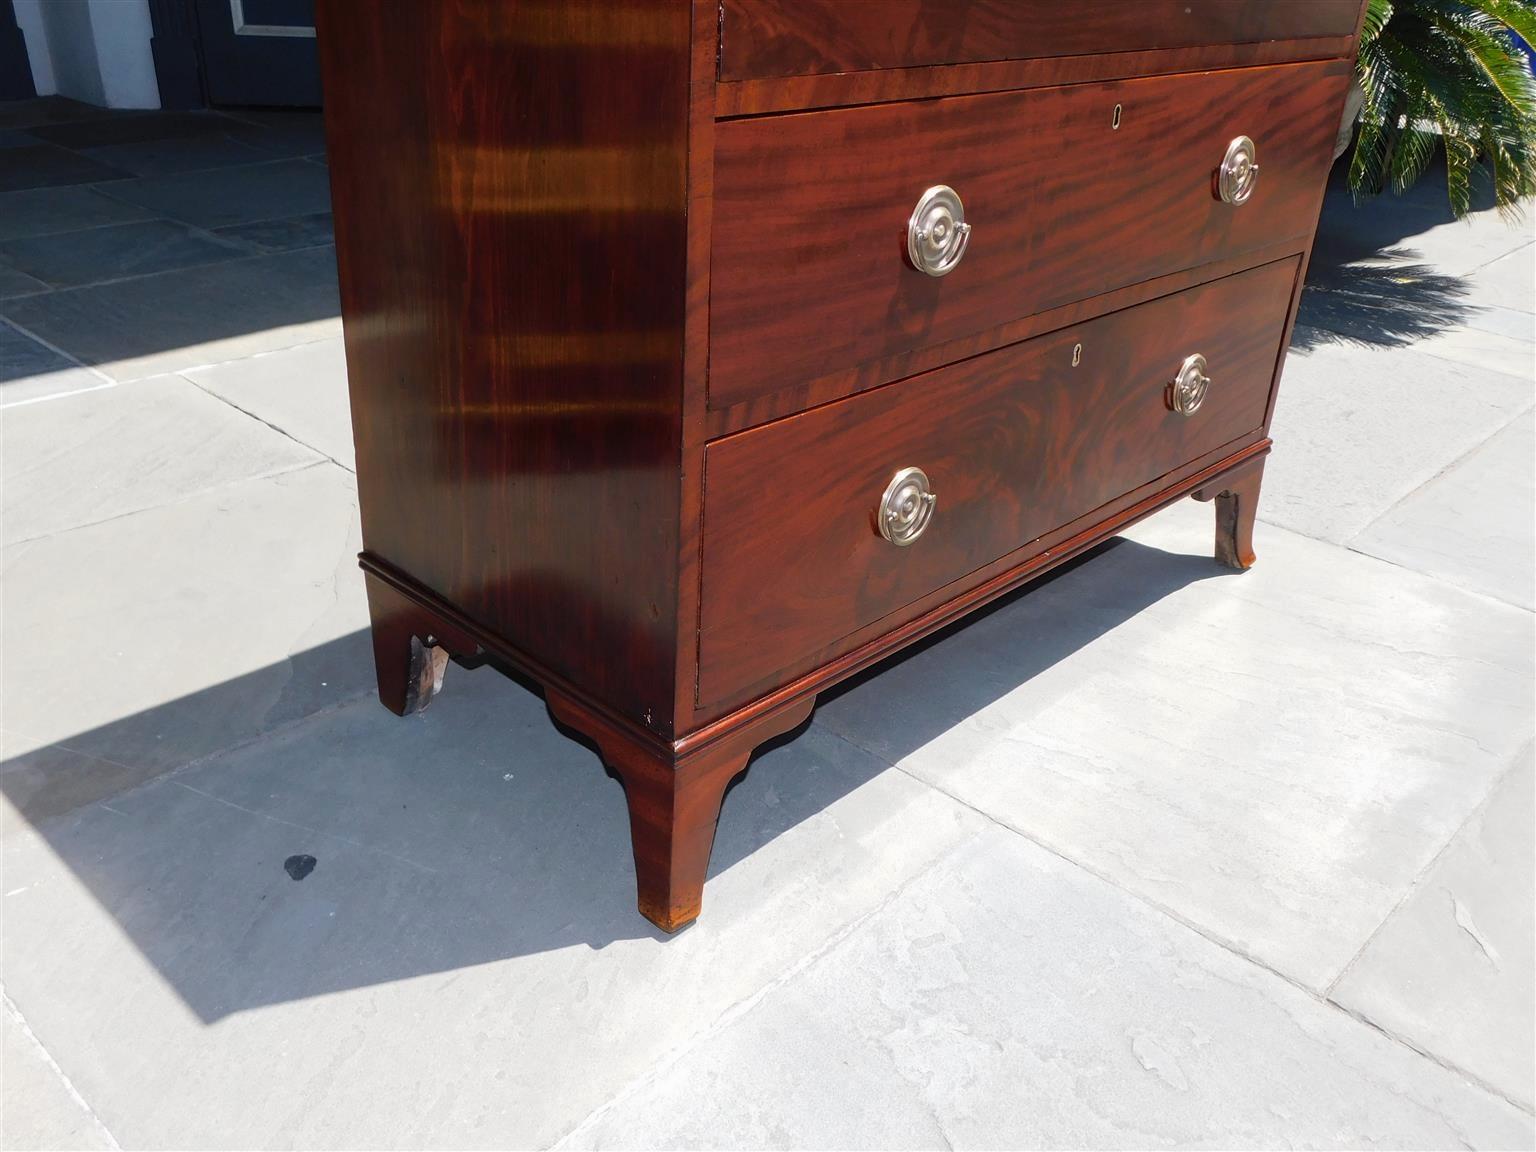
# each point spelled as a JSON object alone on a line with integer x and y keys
{"x": 298, "y": 158}
{"x": 729, "y": 1015}
{"x": 1415, "y": 884}
{"x": 265, "y": 422}
{"x": 238, "y": 254}
{"x": 180, "y": 500}
{"x": 86, "y": 227}
{"x": 260, "y": 815}
{"x": 1412, "y": 346}
{"x": 1448, "y": 467}
{"x": 1436, "y": 577}
{"x": 1470, "y": 1077}
{"x": 1347, "y": 546}
{"x": 170, "y": 774}
{"x": 265, "y": 352}
{"x": 1502, "y": 256}
{"x": 244, "y": 248}
{"x": 1199, "y": 930}
{"x": 1445, "y": 358}
{"x": 52, "y": 347}
{"x": 53, "y": 1065}
{"x": 58, "y": 395}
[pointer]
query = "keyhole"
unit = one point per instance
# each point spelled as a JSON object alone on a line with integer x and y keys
{"x": 1114, "y": 121}
{"x": 1077, "y": 355}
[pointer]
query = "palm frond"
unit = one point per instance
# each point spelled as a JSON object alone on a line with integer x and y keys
{"x": 1447, "y": 73}
{"x": 1377, "y": 13}
{"x": 1517, "y": 15}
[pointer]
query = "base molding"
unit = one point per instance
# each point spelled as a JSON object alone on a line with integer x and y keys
{"x": 1237, "y": 505}
{"x": 674, "y": 786}
{"x": 674, "y": 800}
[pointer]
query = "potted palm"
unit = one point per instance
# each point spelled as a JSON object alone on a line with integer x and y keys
{"x": 1451, "y": 73}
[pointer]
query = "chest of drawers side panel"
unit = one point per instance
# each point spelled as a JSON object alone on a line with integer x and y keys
{"x": 702, "y": 109}
{"x": 511, "y": 241}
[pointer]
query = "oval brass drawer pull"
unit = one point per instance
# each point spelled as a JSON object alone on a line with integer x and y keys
{"x": 937, "y": 234}
{"x": 1187, "y": 392}
{"x": 1239, "y": 171}
{"x": 906, "y": 509}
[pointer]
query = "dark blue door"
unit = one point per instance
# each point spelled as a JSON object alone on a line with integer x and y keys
{"x": 259, "y": 52}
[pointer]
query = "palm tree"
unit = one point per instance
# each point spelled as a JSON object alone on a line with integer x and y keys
{"x": 1451, "y": 71}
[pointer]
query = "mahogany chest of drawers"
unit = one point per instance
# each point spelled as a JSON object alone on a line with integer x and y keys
{"x": 704, "y": 352}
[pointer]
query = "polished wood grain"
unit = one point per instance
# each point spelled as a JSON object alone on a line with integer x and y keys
{"x": 793, "y": 93}
{"x": 818, "y": 390}
{"x": 809, "y": 274}
{"x": 696, "y": 432}
{"x": 719, "y": 724}
{"x": 598, "y": 447}
{"x": 673, "y": 788}
{"x": 411, "y": 647}
{"x": 674, "y": 800}
{"x": 1237, "y": 507}
{"x": 511, "y": 234}
{"x": 947, "y": 605}
{"x": 1015, "y": 443}
{"x": 761, "y": 38}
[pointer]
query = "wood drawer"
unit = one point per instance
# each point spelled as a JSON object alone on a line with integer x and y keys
{"x": 809, "y": 276}
{"x": 767, "y": 38}
{"x": 1015, "y": 443}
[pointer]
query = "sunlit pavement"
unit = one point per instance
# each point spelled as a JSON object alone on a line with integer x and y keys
{"x": 1153, "y": 854}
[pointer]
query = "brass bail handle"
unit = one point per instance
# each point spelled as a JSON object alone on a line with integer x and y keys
{"x": 906, "y": 509}
{"x": 1239, "y": 171}
{"x": 1187, "y": 391}
{"x": 937, "y": 234}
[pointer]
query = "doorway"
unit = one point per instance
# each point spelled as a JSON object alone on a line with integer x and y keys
{"x": 244, "y": 53}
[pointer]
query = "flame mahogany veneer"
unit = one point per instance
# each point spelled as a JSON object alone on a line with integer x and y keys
{"x": 636, "y": 346}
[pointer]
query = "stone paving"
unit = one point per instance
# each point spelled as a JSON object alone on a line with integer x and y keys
{"x": 1149, "y": 855}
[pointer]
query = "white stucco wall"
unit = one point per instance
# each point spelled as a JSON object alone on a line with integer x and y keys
{"x": 29, "y": 18}
{"x": 72, "y": 47}
{"x": 123, "y": 32}
{"x": 96, "y": 51}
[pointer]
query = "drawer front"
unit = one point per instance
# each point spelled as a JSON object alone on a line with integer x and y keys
{"x": 810, "y": 272}
{"x": 1013, "y": 444}
{"x": 767, "y": 38}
